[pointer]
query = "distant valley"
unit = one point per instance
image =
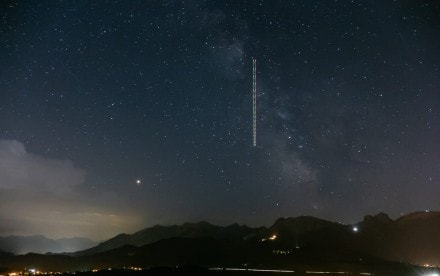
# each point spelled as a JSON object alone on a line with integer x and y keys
{"x": 41, "y": 244}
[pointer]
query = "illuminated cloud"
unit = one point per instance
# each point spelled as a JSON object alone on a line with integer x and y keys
{"x": 40, "y": 195}
{"x": 20, "y": 169}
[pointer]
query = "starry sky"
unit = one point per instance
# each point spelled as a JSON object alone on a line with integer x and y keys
{"x": 119, "y": 115}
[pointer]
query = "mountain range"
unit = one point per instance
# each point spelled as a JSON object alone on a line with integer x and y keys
{"x": 299, "y": 243}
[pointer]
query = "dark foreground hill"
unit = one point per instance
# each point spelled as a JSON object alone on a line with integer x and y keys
{"x": 301, "y": 244}
{"x": 208, "y": 253}
{"x": 412, "y": 238}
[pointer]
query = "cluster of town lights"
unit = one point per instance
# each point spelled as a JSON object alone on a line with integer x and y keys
{"x": 32, "y": 271}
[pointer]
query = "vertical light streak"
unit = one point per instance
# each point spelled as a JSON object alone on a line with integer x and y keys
{"x": 254, "y": 100}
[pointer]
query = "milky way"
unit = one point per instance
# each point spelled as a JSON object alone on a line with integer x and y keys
{"x": 117, "y": 115}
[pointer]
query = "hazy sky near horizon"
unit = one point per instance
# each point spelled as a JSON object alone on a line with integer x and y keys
{"x": 117, "y": 115}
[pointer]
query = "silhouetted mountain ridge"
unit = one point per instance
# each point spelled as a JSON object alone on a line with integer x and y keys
{"x": 379, "y": 219}
{"x": 412, "y": 238}
{"x": 186, "y": 230}
{"x": 290, "y": 243}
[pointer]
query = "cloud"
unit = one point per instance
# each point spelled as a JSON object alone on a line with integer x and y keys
{"x": 40, "y": 195}
{"x": 22, "y": 170}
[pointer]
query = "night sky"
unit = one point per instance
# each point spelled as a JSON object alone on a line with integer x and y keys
{"x": 119, "y": 115}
